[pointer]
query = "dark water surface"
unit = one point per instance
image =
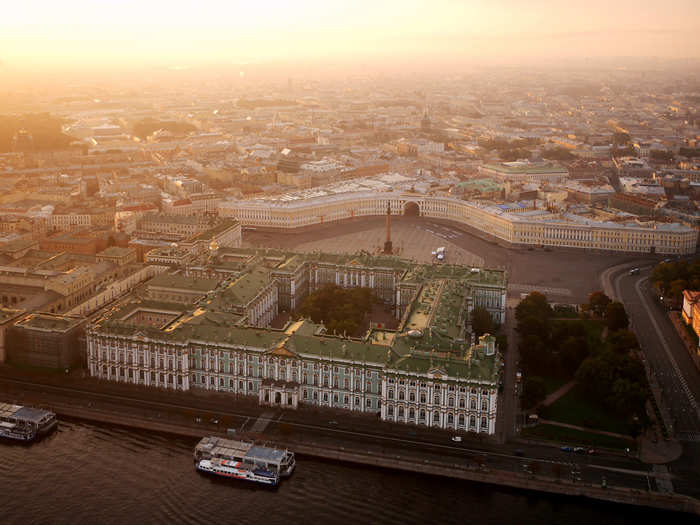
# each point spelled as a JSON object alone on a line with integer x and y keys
{"x": 84, "y": 473}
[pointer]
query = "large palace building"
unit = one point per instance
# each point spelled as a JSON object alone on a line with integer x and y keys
{"x": 532, "y": 227}
{"x": 216, "y": 334}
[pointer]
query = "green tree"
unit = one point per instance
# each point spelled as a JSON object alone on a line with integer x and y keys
{"x": 482, "y": 322}
{"x": 558, "y": 153}
{"x": 502, "y": 343}
{"x": 572, "y": 353}
{"x": 341, "y": 310}
{"x": 621, "y": 138}
{"x": 533, "y": 354}
{"x": 533, "y": 305}
{"x": 622, "y": 341}
{"x": 616, "y": 317}
{"x": 598, "y": 302}
{"x": 534, "y": 391}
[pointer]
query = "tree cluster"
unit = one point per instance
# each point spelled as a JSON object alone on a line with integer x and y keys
{"x": 558, "y": 153}
{"x": 627, "y": 151}
{"x": 549, "y": 348}
{"x": 342, "y": 310}
{"x": 613, "y": 312}
{"x": 482, "y": 322}
{"x": 689, "y": 152}
{"x": 621, "y": 138}
{"x": 662, "y": 156}
{"x": 145, "y": 127}
{"x": 499, "y": 144}
{"x": 45, "y": 131}
{"x": 615, "y": 380}
{"x": 608, "y": 371}
{"x": 673, "y": 277}
{"x": 509, "y": 155}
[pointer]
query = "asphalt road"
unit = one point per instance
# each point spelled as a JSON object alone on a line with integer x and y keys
{"x": 664, "y": 350}
{"x": 357, "y": 433}
{"x": 671, "y": 365}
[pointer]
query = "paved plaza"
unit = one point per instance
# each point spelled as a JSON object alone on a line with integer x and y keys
{"x": 564, "y": 275}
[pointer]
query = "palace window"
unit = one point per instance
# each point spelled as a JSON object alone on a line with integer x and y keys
{"x": 450, "y": 419}
{"x": 402, "y": 395}
{"x": 412, "y": 396}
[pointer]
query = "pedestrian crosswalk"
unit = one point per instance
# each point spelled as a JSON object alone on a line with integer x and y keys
{"x": 689, "y": 436}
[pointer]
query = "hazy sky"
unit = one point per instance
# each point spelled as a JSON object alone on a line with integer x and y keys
{"x": 184, "y": 32}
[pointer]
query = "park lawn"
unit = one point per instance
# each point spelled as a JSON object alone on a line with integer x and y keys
{"x": 574, "y": 409}
{"x": 553, "y": 383}
{"x": 572, "y": 437}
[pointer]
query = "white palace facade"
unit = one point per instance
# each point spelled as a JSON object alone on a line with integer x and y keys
{"x": 426, "y": 371}
{"x": 543, "y": 229}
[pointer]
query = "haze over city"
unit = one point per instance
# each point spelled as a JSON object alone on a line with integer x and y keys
{"x": 192, "y": 33}
{"x": 384, "y": 262}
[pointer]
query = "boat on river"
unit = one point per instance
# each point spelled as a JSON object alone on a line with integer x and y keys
{"x": 243, "y": 460}
{"x": 25, "y": 423}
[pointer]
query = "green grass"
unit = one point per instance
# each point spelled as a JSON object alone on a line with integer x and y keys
{"x": 553, "y": 383}
{"x": 574, "y": 409}
{"x": 574, "y": 438}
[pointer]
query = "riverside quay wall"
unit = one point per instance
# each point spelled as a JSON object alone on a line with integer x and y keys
{"x": 513, "y": 223}
{"x": 357, "y": 454}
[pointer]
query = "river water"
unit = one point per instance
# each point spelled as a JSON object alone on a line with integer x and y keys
{"x": 85, "y": 473}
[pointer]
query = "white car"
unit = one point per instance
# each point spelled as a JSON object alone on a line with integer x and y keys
{"x": 457, "y": 439}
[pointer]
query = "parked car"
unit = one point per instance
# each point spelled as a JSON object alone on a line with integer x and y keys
{"x": 580, "y": 450}
{"x": 457, "y": 439}
{"x": 566, "y": 448}
{"x": 592, "y": 451}
{"x": 634, "y": 271}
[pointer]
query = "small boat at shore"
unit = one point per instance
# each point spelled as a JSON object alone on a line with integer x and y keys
{"x": 243, "y": 460}
{"x": 25, "y": 423}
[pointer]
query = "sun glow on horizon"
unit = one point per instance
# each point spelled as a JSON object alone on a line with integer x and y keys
{"x": 186, "y": 31}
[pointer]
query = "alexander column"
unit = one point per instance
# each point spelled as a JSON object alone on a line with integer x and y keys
{"x": 387, "y": 245}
